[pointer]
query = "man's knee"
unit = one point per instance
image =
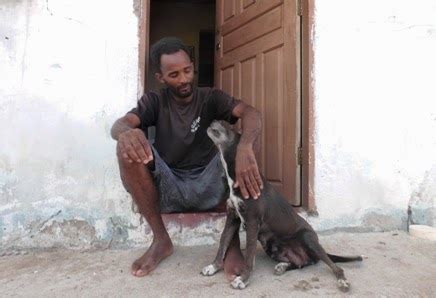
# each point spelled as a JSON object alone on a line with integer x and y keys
{"x": 132, "y": 172}
{"x": 124, "y": 163}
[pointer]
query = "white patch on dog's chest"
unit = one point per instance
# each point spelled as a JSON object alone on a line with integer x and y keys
{"x": 233, "y": 201}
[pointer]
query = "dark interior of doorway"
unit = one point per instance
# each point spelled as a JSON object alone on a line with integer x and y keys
{"x": 193, "y": 21}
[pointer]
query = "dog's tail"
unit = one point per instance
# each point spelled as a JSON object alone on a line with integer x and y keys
{"x": 343, "y": 259}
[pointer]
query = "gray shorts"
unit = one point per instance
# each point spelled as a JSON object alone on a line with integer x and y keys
{"x": 189, "y": 190}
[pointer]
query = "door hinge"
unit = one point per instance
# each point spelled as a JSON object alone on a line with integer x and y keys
{"x": 300, "y": 155}
{"x": 300, "y": 7}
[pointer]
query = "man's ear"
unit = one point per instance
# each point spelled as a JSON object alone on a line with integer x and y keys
{"x": 159, "y": 77}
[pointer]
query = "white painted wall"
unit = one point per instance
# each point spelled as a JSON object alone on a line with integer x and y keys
{"x": 375, "y": 111}
{"x": 69, "y": 68}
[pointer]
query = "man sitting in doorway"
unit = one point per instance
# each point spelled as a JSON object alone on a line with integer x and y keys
{"x": 181, "y": 171}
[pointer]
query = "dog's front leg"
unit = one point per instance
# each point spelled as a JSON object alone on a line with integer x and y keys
{"x": 252, "y": 231}
{"x": 231, "y": 227}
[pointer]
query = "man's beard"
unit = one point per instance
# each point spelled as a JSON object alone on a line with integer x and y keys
{"x": 182, "y": 94}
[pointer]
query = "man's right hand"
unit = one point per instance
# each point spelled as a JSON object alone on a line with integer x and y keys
{"x": 134, "y": 146}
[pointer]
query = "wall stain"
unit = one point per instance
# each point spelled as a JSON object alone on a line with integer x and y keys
{"x": 74, "y": 232}
{"x": 137, "y": 8}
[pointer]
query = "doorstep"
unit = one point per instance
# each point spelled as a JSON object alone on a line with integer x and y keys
{"x": 195, "y": 228}
{"x": 192, "y": 220}
{"x": 195, "y": 219}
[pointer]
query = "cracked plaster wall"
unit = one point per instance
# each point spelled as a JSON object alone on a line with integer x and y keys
{"x": 70, "y": 68}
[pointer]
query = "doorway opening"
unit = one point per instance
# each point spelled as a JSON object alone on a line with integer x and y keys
{"x": 193, "y": 21}
{"x": 260, "y": 52}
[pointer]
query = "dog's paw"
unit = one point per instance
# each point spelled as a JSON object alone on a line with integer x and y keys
{"x": 280, "y": 268}
{"x": 209, "y": 270}
{"x": 343, "y": 285}
{"x": 237, "y": 283}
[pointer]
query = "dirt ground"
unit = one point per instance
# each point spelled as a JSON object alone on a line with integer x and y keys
{"x": 396, "y": 265}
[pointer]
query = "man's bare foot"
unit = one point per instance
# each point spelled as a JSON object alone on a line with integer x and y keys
{"x": 234, "y": 262}
{"x": 157, "y": 251}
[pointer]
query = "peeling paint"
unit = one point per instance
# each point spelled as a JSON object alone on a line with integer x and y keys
{"x": 75, "y": 232}
{"x": 137, "y": 7}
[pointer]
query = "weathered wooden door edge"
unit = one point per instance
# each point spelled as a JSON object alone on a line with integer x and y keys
{"x": 308, "y": 111}
{"x": 293, "y": 78}
{"x": 217, "y": 43}
{"x": 143, "y": 50}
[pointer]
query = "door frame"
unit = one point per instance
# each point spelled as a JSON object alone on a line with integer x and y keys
{"x": 307, "y": 109}
{"x": 144, "y": 45}
{"x": 307, "y": 91}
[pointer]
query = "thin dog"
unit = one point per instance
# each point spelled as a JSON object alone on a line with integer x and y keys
{"x": 285, "y": 236}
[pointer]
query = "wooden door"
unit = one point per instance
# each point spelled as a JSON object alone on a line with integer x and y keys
{"x": 257, "y": 60}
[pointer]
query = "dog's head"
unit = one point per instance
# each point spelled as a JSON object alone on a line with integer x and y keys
{"x": 221, "y": 134}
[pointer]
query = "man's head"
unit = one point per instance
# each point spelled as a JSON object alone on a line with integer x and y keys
{"x": 173, "y": 67}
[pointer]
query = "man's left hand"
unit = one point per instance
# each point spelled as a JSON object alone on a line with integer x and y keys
{"x": 248, "y": 178}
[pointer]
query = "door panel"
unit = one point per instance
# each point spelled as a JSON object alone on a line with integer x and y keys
{"x": 252, "y": 12}
{"x": 256, "y": 60}
{"x": 247, "y": 3}
{"x": 227, "y": 80}
{"x": 248, "y": 78}
{"x": 260, "y": 26}
{"x": 273, "y": 115}
{"x": 229, "y": 9}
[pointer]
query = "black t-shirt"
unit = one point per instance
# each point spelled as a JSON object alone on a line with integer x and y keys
{"x": 181, "y": 137}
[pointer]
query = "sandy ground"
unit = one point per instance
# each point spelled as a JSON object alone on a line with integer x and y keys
{"x": 397, "y": 265}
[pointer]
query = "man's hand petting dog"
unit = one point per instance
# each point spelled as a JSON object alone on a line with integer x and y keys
{"x": 248, "y": 178}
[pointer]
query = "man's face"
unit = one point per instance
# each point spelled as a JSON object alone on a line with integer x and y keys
{"x": 177, "y": 72}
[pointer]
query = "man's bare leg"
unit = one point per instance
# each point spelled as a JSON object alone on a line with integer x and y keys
{"x": 138, "y": 180}
{"x": 234, "y": 262}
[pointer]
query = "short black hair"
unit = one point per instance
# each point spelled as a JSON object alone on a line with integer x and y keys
{"x": 166, "y": 45}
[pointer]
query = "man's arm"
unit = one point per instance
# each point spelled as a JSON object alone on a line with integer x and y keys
{"x": 248, "y": 177}
{"x": 133, "y": 144}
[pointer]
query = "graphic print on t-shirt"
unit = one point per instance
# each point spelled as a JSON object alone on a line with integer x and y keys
{"x": 195, "y": 124}
{"x": 181, "y": 139}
